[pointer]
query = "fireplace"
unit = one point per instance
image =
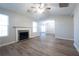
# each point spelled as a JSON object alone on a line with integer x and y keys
{"x": 23, "y": 34}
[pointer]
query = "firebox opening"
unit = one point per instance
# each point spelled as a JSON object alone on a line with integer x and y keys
{"x": 23, "y": 35}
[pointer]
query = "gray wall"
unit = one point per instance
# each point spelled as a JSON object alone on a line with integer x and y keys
{"x": 76, "y": 27}
{"x": 64, "y": 27}
{"x": 15, "y": 19}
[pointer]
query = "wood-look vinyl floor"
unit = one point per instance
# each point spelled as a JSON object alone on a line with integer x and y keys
{"x": 46, "y": 45}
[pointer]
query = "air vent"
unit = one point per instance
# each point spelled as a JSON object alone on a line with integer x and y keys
{"x": 63, "y": 4}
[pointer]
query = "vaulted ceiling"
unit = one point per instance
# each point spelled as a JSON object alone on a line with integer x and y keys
{"x": 24, "y": 7}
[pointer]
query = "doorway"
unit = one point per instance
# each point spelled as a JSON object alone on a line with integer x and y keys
{"x": 48, "y": 27}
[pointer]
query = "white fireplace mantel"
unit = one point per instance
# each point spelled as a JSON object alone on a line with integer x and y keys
{"x": 23, "y": 28}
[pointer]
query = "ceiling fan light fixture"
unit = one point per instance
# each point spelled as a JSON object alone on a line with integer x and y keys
{"x": 40, "y": 8}
{"x": 40, "y": 11}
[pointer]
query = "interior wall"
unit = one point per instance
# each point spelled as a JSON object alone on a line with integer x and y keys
{"x": 49, "y": 26}
{"x": 15, "y": 20}
{"x": 64, "y": 27}
{"x": 76, "y": 27}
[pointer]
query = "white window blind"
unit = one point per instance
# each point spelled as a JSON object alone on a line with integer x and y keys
{"x": 34, "y": 26}
{"x": 3, "y": 25}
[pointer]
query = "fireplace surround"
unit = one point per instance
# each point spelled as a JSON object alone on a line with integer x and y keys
{"x": 26, "y": 33}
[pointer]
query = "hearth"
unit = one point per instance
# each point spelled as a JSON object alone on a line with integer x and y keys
{"x": 23, "y": 34}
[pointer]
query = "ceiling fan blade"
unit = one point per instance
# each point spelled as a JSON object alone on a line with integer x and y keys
{"x": 32, "y": 7}
{"x": 48, "y": 8}
{"x": 28, "y": 11}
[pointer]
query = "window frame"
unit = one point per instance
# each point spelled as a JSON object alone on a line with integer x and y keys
{"x": 34, "y": 27}
{"x": 4, "y": 27}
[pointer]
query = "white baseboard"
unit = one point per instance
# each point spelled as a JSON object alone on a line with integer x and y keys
{"x": 34, "y": 36}
{"x": 77, "y": 48}
{"x": 7, "y": 43}
{"x": 63, "y": 38}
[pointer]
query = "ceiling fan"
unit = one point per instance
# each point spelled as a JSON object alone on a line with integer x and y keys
{"x": 41, "y": 7}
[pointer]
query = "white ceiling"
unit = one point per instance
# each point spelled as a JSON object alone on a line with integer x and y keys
{"x": 23, "y": 7}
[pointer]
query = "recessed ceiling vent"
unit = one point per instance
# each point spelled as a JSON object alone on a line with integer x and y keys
{"x": 63, "y": 5}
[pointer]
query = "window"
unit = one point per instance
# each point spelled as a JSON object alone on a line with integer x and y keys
{"x": 43, "y": 28}
{"x": 3, "y": 25}
{"x": 34, "y": 26}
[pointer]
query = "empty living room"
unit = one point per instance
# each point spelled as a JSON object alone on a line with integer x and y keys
{"x": 39, "y": 29}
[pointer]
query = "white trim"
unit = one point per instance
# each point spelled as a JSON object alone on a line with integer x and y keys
{"x": 7, "y": 43}
{"x": 29, "y": 29}
{"x": 63, "y": 38}
{"x": 77, "y": 48}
